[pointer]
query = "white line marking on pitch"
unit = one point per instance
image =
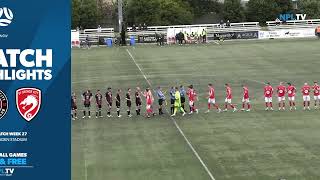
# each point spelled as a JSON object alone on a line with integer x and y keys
{"x": 86, "y": 169}
{"x": 175, "y": 123}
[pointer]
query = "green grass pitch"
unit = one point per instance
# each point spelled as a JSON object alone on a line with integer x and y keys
{"x": 258, "y": 145}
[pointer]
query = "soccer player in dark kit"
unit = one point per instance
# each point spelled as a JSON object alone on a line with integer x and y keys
{"x": 161, "y": 99}
{"x": 86, "y": 98}
{"x": 128, "y": 98}
{"x": 138, "y": 101}
{"x": 98, "y": 103}
{"x": 118, "y": 102}
{"x": 74, "y": 106}
{"x": 109, "y": 101}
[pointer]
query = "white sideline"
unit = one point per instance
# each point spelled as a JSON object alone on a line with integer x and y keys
{"x": 175, "y": 123}
{"x": 86, "y": 169}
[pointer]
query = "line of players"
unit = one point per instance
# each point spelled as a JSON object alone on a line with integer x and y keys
{"x": 178, "y": 98}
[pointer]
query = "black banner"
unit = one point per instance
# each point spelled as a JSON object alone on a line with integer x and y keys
{"x": 148, "y": 38}
{"x": 236, "y": 35}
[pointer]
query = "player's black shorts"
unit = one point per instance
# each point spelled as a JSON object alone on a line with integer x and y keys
{"x": 160, "y": 102}
{"x": 99, "y": 106}
{"x": 118, "y": 104}
{"x": 74, "y": 108}
{"x": 138, "y": 102}
{"x": 129, "y": 103}
{"x": 87, "y": 105}
{"x": 172, "y": 101}
{"x": 183, "y": 99}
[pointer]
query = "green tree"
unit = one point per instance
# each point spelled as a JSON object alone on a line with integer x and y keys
{"x": 233, "y": 11}
{"x": 140, "y": 11}
{"x": 202, "y": 7}
{"x": 175, "y": 12}
{"x": 158, "y": 12}
{"x": 75, "y": 19}
{"x": 262, "y": 10}
{"x": 286, "y": 6}
{"x": 89, "y": 14}
{"x": 310, "y": 7}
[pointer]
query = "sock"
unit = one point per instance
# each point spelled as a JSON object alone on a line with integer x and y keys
{"x": 290, "y": 103}
{"x": 308, "y": 103}
{"x": 271, "y": 104}
{"x": 249, "y": 106}
{"x": 232, "y": 106}
{"x": 304, "y": 104}
{"x": 209, "y": 106}
{"x": 279, "y": 105}
{"x": 137, "y": 111}
{"x": 284, "y": 104}
{"x": 84, "y": 113}
{"x": 226, "y": 106}
{"x": 183, "y": 106}
{"x": 96, "y": 113}
{"x": 75, "y": 114}
{"x": 118, "y": 112}
{"x": 89, "y": 113}
{"x": 294, "y": 104}
{"x": 109, "y": 113}
{"x": 72, "y": 116}
{"x": 172, "y": 109}
{"x": 243, "y": 105}
{"x": 128, "y": 112}
{"x": 191, "y": 108}
{"x": 99, "y": 112}
{"x": 266, "y": 104}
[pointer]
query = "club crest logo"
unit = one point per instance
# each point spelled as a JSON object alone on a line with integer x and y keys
{"x": 3, "y": 104}
{"x": 6, "y": 16}
{"x": 28, "y": 102}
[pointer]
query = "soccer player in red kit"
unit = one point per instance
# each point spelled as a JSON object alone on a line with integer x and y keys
{"x": 291, "y": 89}
{"x": 306, "y": 96}
{"x": 245, "y": 99}
{"x": 228, "y": 100}
{"x": 211, "y": 99}
{"x": 281, "y": 90}
{"x": 192, "y": 95}
{"x": 149, "y": 100}
{"x": 268, "y": 91}
{"x": 316, "y": 93}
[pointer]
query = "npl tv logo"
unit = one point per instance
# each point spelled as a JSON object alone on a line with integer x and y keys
{"x": 6, "y": 171}
{"x": 6, "y": 16}
{"x": 288, "y": 17}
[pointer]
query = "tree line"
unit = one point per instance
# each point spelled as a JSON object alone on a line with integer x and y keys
{"x": 91, "y": 13}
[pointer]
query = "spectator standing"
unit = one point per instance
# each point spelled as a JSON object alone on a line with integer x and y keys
{"x": 228, "y": 23}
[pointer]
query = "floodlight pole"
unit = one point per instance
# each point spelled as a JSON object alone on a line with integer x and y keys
{"x": 120, "y": 14}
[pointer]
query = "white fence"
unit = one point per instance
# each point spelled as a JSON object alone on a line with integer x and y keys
{"x": 94, "y": 35}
